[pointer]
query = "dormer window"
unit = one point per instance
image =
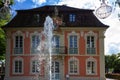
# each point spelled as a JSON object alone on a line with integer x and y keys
{"x": 37, "y": 18}
{"x": 72, "y": 17}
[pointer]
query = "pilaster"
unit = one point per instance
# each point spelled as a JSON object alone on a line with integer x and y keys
{"x": 7, "y": 56}
{"x": 102, "y": 55}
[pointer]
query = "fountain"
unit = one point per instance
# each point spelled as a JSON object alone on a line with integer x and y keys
{"x": 48, "y": 33}
{"x": 45, "y": 49}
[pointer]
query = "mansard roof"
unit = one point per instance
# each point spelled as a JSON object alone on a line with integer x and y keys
{"x": 36, "y": 17}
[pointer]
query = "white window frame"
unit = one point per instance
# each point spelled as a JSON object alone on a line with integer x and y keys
{"x": 73, "y": 33}
{"x": 31, "y": 65}
{"x": 18, "y": 59}
{"x": 54, "y": 41}
{"x": 91, "y": 33}
{"x": 72, "y": 17}
{"x": 91, "y": 59}
{"x": 18, "y": 33}
{"x": 33, "y": 34}
{"x": 37, "y": 17}
{"x": 78, "y": 67}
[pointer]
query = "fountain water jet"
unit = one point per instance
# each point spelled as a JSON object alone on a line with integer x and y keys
{"x": 45, "y": 49}
{"x": 48, "y": 33}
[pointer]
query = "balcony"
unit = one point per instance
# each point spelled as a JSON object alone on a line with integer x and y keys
{"x": 91, "y": 51}
{"x": 59, "y": 50}
{"x": 55, "y": 51}
{"x": 73, "y": 50}
{"x": 35, "y": 51}
{"x": 18, "y": 50}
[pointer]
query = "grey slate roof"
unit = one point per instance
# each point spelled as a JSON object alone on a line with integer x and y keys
{"x": 29, "y": 18}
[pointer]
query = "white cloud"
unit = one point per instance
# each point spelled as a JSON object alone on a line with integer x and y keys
{"x": 38, "y": 2}
{"x": 86, "y": 4}
{"x": 113, "y": 48}
{"x": 113, "y": 33}
{"x": 21, "y": 1}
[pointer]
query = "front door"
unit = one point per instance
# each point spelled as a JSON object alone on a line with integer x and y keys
{"x": 55, "y": 70}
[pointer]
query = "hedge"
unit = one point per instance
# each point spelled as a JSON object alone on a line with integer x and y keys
{"x": 113, "y": 76}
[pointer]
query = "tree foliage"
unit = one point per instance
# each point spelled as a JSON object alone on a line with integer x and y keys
{"x": 4, "y": 18}
{"x": 2, "y": 44}
{"x": 112, "y": 62}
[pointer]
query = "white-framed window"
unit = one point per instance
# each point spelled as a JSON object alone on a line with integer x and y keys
{"x": 35, "y": 66}
{"x": 91, "y": 42}
{"x": 18, "y": 66}
{"x": 91, "y": 66}
{"x": 73, "y": 66}
{"x": 35, "y": 43}
{"x": 37, "y": 17}
{"x": 18, "y": 43}
{"x": 73, "y": 44}
{"x": 56, "y": 44}
{"x": 56, "y": 41}
{"x": 55, "y": 70}
{"x": 72, "y": 17}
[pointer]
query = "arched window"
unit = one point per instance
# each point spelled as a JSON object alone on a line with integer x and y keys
{"x": 91, "y": 41}
{"x": 17, "y": 65}
{"x": 73, "y": 65}
{"x": 35, "y": 42}
{"x": 18, "y": 42}
{"x": 56, "y": 41}
{"x": 73, "y": 43}
{"x": 36, "y": 65}
{"x": 56, "y": 45}
{"x": 91, "y": 66}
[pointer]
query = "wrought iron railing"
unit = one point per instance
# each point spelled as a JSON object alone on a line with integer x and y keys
{"x": 55, "y": 76}
{"x": 91, "y": 50}
{"x": 55, "y": 50}
{"x": 73, "y": 50}
{"x": 35, "y": 51}
{"x": 58, "y": 50}
{"x": 18, "y": 50}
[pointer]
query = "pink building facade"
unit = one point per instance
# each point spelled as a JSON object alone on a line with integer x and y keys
{"x": 79, "y": 50}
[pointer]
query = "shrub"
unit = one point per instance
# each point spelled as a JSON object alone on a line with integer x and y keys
{"x": 113, "y": 76}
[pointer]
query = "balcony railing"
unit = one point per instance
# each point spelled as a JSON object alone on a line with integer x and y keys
{"x": 91, "y": 51}
{"x": 55, "y": 50}
{"x": 18, "y": 50}
{"x": 73, "y": 50}
{"x": 58, "y": 50}
{"x": 35, "y": 51}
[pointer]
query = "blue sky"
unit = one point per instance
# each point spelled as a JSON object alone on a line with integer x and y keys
{"x": 112, "y": 39}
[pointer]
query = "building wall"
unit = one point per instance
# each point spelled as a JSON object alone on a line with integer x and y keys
{"x": 82, "y": 56}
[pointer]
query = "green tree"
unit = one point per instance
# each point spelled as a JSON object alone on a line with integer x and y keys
{"x": 4, "y": 18}
{"x": 107, "y": 63}
{"x": 2, "y": 44}
{"x": 117, "y": 64}
{"x": 112, "y": 62}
